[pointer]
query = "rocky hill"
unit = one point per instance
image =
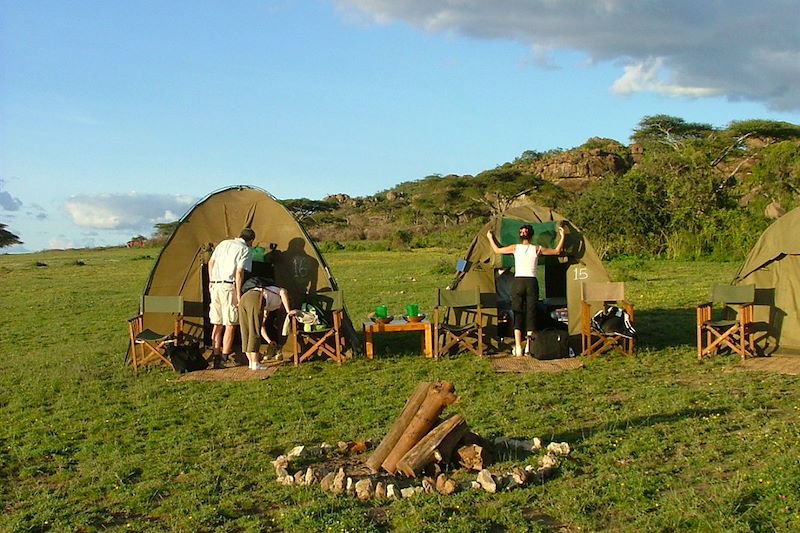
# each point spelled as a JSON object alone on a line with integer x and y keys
{"x": 672, "y": 169}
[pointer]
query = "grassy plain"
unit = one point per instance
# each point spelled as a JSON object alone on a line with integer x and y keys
{"x": 661, "y": 442}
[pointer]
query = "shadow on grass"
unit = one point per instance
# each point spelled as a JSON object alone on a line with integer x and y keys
{"x": 636, "y": 422}
{"x": 666, "y": 328}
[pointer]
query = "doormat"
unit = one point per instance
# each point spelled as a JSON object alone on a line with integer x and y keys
{"x": 531, "y": 364}
{"x": 234, "y": 373}
{"x": 781, "y": 364}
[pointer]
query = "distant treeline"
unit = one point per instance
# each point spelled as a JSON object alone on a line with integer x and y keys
{"x": 680, "y": 190}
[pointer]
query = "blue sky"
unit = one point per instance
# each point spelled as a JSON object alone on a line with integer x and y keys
{"x": 115, "y": 116}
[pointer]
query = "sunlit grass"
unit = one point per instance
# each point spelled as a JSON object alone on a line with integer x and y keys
{"x": 661, "y": 442}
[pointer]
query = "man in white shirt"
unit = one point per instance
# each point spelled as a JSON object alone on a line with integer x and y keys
{"x": 226, "y": 269}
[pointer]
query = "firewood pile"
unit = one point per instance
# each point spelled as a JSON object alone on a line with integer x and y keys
{"x": 421, "y": 453}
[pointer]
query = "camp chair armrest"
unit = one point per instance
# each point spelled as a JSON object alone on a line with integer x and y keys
{"x": 704, "y": 312}
{"x": 140, "y": 316}
{"x": 628, "y": 308}
{"x": 178, "y": 326}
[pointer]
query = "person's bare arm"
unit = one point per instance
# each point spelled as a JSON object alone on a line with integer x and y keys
{"x": 499, "y": 250}
{"x": 285, "y": 299}
{"x": 239, "y": 282}
{"x": 559, "y": 246}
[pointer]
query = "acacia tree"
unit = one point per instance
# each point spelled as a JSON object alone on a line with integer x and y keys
{"x": 7, "y": 238}
{"x": 668, "y": 131}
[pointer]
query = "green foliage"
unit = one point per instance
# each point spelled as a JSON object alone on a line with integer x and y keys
{"x": 304, "y": 209}
{"x": 7, "y": 238}
{"x": 666, "y": 130}
{"x": 164, "y": 230}
{"x": 694, "y": 191}
{"x": 764, "y": 129}
{"x": 623, "y": 214}
{"x": 778, "y": 173}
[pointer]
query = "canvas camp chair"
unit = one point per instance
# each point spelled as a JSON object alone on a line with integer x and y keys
{"x": 458, "y": 321}
{"x": 149, "y": 340}
{"x": 324, "y": 338}
{"x": 610, "y": 328}
{"x": 733, "y": 326}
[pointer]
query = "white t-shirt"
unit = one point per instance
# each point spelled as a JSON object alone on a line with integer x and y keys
{"x": 526, "y": 258}
{"x": 229, "y": 256}
{"x": 272, "y": 298}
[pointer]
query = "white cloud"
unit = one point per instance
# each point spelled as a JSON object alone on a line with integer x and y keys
{"x": 646, "y": 76}
{"x": 133, "y": 211}
{"x": 741, "y": 49}
{"x": 7, "y": 201}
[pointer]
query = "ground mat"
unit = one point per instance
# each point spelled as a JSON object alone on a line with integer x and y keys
{"x": 235, "y": 373}
{"x": 781, "y": 364}
{"x": 530, "y": 364}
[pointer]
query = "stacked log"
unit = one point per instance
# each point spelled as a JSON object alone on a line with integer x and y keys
{"x": 418, "y": 438}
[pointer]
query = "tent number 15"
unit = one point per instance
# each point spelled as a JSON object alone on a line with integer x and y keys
{"x": 581, "y": 273}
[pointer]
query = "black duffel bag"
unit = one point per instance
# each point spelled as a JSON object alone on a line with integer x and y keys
{"x": 550, "y": 344}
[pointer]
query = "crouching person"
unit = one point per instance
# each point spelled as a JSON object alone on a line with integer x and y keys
{"x": 255, "y": 306}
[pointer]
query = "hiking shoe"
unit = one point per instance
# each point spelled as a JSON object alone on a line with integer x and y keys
{"x": 516, "y": 352}
{"x": 217, "y": 363}
{"x": 258, "y": 366}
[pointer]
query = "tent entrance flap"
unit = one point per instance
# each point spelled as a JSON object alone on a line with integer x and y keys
{"x": 559, "y": 277}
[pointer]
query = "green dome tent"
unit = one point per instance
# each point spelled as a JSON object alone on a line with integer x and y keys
{"x": 559, "y": 278}
{"x": 283, "y": 251}
{"x": 773, "y": 265}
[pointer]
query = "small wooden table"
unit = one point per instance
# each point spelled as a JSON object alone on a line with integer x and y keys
{"x": 399, "y": 326}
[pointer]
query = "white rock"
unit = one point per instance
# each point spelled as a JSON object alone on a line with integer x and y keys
{"x": 519, "y": 476}
{"x": 392, "y": 493}
{"x": 297, "y": 451}
{"x": 486, "y": 481}
{"x": 337, "y": 487}
{"x": 364, "y": 489}
{"x": 311, "y": 477}
{"x": 380, "y": 490}
{"x": 408, "y": 492}
{"x": 350, "y": 487}
{"x": 281, "y": 472}
{"x": 548, "y": 461}
{"x": 327, "y": 481}
{"x": 560, "y": 449}
{"x": 281, "y": 461}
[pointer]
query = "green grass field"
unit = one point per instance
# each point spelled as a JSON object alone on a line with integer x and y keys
{"x": 661, "y": 442}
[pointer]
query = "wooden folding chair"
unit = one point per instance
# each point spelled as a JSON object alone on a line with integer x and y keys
{"x": 733, "y": 327}
{"x": 329, "y": 341}
{"x": 458, "y": 321}
{"x": 158, "y": 325}
{"x": 602, "y": 295}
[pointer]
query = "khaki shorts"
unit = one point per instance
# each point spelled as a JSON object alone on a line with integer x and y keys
{"x": 222, "y": 310}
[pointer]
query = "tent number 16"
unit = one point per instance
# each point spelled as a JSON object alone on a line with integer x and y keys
{"x": 581, "y": 273}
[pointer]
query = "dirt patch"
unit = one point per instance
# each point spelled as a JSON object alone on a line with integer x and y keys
{"x": 531, "y": 364}
{"x": 781, "y": 364}
{"x": 234, "y": 373}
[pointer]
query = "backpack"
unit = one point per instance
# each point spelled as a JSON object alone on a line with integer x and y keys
{"x": 186, "y": 358}
{"x": 613, "y": 321}
{"x": 318, "y": 313}
{"x": 256, "y": 282}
